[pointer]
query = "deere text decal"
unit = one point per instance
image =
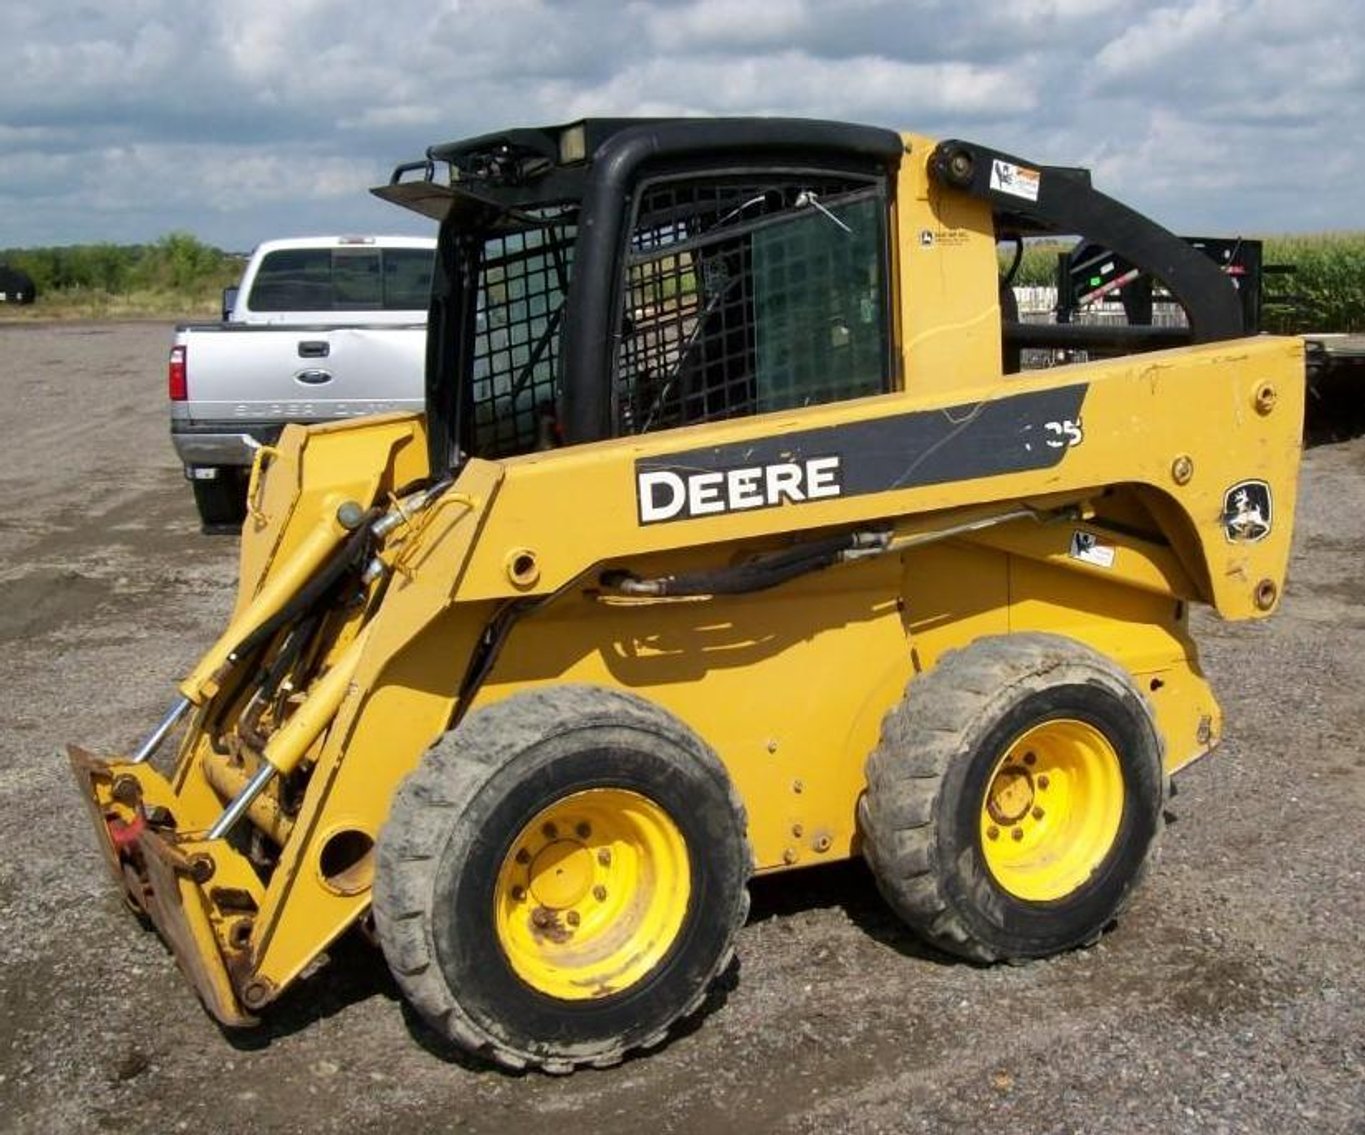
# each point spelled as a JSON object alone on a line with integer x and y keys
{"x": 924, "y": 447}
{"x": 666, "y": 495}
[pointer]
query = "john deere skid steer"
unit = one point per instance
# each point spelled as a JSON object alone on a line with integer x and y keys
{"x": 731, "y": 541}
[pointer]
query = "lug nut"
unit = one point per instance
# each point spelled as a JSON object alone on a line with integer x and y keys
{"x": 1017, "y": 834}
{"x": 1042, "y": 782}
{"x": 583, "y": 830}
{"x": 523, "y": 857}
{"x": 599, "y": 892}
{"x": 1030, "y": 758}
{"x": 518, "y": 893}
{"x": 992, "y": 832}
{"x": 604, "y": 856}
{"x": 573, "y": 918}
{"x": 549, "y": 831}
{"x": 1037, "y": 813}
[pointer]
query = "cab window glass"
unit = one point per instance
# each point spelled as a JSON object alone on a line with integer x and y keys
{"x": 747, "y": 296}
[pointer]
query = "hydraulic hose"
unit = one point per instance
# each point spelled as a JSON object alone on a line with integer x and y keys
{"x": 347, "y": 556}
{"x": 757, "y": 574}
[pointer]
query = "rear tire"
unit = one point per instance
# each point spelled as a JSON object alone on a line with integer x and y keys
{"x": 1015, "y": 798}
{"x": 562, "y": 878}
{"x": 221, "y": 500}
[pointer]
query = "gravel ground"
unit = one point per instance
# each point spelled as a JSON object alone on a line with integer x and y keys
{"x": 1228, "y": 999}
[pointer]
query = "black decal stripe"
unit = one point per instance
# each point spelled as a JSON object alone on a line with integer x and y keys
{"x": 903, "y": 451}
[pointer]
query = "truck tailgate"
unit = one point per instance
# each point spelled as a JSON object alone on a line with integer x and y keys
{"x": 293, "y": 373}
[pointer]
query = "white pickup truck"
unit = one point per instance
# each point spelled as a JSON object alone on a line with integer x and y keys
{"x": 319, "y": 328}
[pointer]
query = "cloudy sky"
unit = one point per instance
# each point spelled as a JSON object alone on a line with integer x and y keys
{"x": 241, "y": 120}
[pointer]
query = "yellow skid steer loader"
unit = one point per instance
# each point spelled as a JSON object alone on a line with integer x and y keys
{"x": 732, "y": 540}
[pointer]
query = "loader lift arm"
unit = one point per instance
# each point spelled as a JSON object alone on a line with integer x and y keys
{"x": 1033, "y": 200}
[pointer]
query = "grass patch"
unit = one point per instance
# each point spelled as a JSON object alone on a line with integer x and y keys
{"x": 94, "y": 304}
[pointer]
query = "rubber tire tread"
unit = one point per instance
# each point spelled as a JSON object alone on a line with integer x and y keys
{"x": 935, "y": 724}
{"x": 431, "y": 803}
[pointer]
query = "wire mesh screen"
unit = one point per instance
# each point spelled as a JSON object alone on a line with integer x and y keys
{"x": 523, "y": 282}
{"x": 746, "y": 296}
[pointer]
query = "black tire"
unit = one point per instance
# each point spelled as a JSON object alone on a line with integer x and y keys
{"x": 449, "y": 841}
{"x": 221, "y": 500}
{"x": 948, "y": 747}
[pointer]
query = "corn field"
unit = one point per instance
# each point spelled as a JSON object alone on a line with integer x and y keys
{"x": 1326, "y": 290}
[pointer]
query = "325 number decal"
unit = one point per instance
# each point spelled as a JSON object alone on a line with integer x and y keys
{"x": 1064, "y": 434}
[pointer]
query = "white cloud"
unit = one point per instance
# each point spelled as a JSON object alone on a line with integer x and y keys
{"x": 248, "y": 117}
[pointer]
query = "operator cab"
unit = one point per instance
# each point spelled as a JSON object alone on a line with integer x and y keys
{"x": 747, "y": 272}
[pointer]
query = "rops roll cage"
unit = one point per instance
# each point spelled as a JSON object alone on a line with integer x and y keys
{"x": 499, "y": 182}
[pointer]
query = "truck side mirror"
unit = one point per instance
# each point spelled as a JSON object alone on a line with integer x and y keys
{"x": 229, "y": 302}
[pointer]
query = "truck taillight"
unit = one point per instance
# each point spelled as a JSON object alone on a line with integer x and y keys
{"x": 175, "y": 375}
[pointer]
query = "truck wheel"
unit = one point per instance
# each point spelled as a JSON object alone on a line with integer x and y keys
{"x": 562, "y": 878}
{"x": 221, "y": 500}
{"x": 1014, "y": 798}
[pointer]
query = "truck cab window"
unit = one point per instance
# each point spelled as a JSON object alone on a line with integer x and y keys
{"x": 343, "y": 279}
{"x": 407, "y": 278}
{"x": 356, "y": 282}
{"x": 293, "y": 279}
{"x": 746, "y": 296}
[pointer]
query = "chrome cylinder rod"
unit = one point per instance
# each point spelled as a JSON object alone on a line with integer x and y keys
{"x": 157, "y": 735}
{"x": 237, "y": 809}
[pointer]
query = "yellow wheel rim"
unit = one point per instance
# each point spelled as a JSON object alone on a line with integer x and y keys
{"x": 1052, "y": 809}
{"x": 592, "y": 893}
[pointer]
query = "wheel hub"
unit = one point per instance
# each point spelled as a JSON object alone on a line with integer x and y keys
{"x": 1011, "y": 795}
{"x": 592, "y": 893}
{"x": 1051, "y": 810}
{"x": 561, "y": 875}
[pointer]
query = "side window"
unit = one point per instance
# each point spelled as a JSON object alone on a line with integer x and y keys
{"x": 524, "y": 279}
{"x": 748, "y": 296}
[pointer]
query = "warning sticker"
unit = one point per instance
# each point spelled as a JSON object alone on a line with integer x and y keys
{"x": 1017, "y": 181}
{"x": 1087, "y": 547}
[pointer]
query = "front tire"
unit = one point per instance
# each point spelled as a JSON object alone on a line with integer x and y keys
{"x": 562, "y": 878}
{"x": 1015, "y": 798}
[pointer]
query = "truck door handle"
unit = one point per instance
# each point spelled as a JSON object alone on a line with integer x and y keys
{"x": 314, "y": 377}
{"x": 314, "y": 349}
